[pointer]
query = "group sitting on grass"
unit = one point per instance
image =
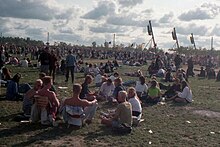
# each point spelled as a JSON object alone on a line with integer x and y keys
{"x": 40, "y": 103}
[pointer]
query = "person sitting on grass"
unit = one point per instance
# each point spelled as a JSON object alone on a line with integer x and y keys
{"x": 135, "y": 103}
{"x": 41, "y": 76}
{"x": 169, "y": 76}
{"x": 48, "y": 114}
{"x": 118, "y": 87}
{"x": 122, "y": 115}
{"x": 76, "y": 110}
{"x": 211, "y": 73}
{"x": 6, "y": 74}
{"x": 185, "y": 96}
{"x": 114, "y": 76}
{"x": 106, "y": 90}
{"x": 141, "y": 87}
{"x": 12, "y": 92}
{"x": 202, "y": 73}
{"x": 85, "y": 92}
{"x": 29, "y": 97}
{"x": 154, "y": 93}
{"x": 176, "y": 87}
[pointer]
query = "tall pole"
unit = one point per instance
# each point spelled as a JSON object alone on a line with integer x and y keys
{"x": 177, "y": 42}
{"x": 212, "y": 43}
{"x": 114, "y": 40}
{"x": 152, "y": 33}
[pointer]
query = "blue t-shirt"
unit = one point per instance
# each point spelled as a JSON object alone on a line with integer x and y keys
{"x": 12, "y": 90}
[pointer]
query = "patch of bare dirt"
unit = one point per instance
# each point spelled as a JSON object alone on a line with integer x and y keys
{"x": 207, "y": 113}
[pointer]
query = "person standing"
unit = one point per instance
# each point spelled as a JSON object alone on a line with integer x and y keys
{"x": 189, "y": 71}
{"x": 70, "y": 65}
{"x": 178, "y": 60}
{"x": 53, "y": 63}
{"x": 44, "y": 60}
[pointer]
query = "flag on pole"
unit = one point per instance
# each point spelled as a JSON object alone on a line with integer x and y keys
{"x": 174, "y": 35}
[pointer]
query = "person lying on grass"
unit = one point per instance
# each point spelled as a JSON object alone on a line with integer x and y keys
{"x": 76, "y": 110}
{"x": 122, "y": 115}
{"x": 47, "y": 115}
{"x": 185, "y": 96}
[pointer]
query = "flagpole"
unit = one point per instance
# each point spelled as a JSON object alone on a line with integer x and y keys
{"x": 212, "y": 43}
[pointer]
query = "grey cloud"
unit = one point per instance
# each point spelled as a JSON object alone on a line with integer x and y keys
{"x": 197, "y": 14}
{"x": 216, "y": 31}
{"x": 147, "y": 11}
{"x": 213, "y": 8}
{"x": 104, "y": 8}
{"x": 60, "y": 23}
{"x": 129, "y": 3}
{"x": 66, "y": 30}
{"x": 130, "y": 21}
{"x": 32, "y": 9}
{"x": 81, "y": 25}
{"x": 35, "y": 31}
{"x": 25, "y": 9}
{"x": 167, "y": 18}
{"x": 192, "y": 28}
{"x": 206, "y": 11}
{"x": 107, "y": 29}
{"x": 66, "y": 37}
{"x": 4, "y": 27}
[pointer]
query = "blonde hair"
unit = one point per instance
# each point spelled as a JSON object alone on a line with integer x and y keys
{"x": 122, "y": 94}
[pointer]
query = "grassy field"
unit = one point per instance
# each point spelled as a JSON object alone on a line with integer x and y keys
{"x": 196, "y": 124}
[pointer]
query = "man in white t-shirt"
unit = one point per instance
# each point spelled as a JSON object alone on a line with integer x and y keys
{"x": 107, "y": 88}
{"x": 141, "y": 87}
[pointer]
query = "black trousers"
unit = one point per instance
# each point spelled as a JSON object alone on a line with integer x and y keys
{"x": 70, "y": 69}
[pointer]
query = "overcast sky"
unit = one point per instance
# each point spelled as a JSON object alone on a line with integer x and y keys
{"x": 85, "y": 21}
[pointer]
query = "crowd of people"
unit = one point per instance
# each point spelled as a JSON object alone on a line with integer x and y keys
{"x": 41, "y": 103}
